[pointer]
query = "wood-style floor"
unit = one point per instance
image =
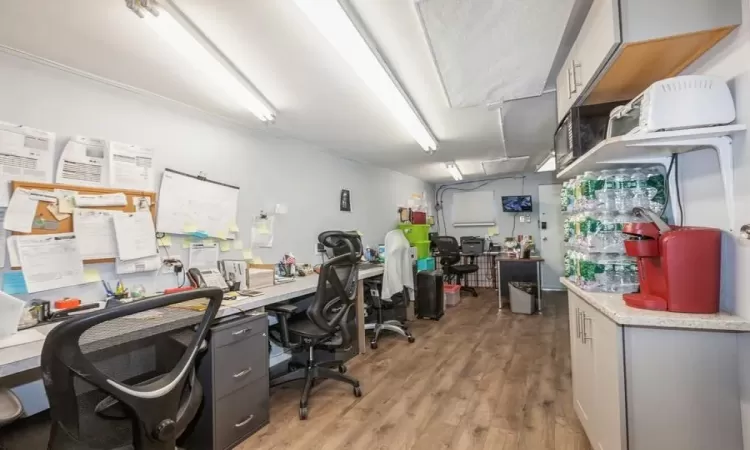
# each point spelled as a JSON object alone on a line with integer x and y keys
{"x": 473, "y": 380}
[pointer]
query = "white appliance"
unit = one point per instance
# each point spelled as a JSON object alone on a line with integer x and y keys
{"x": 689, "y": 101}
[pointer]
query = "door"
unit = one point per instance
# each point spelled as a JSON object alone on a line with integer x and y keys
{"x": 551, "y": 235}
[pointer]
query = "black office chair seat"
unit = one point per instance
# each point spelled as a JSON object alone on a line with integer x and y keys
{"x": 463, "y": 269}
{"x": 307, "y": 329}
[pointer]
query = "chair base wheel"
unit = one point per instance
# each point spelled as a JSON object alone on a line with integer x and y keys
{"x": 358, "y": 392}
{"x": 374, "y": 345}
{"x": 342, "y": 369}
{"x": 411, "y": 339}
{"x": 303, "y": 413}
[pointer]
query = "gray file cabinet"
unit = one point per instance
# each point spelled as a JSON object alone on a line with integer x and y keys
{"x": 235, "y": 380}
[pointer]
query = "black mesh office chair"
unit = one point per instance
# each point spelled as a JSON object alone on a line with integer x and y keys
{"x": 325, "y": 324}
{"x": 450, "y": 256}
{"x": 373, "y": 288}
{"x": 154, "y": 408}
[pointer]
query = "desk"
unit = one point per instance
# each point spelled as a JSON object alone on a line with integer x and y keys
{"x": 25, "y": 357}
{"x": 516, "y": 269}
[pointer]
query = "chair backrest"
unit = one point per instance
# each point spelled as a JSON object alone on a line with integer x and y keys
{"x": 447, "y": 246}
{"x": 337, "y": 284}
{"x": 77, "y": 382}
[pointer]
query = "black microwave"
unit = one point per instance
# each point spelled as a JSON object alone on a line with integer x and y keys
{"x": 581, "y": 129}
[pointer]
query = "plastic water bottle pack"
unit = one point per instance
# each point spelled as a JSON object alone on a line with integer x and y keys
{"x": 597, "y": 205}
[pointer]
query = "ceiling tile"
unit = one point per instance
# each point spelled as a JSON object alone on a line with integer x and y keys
{"x": 494, "y": 50}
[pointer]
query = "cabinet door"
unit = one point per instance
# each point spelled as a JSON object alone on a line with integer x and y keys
{"x": 608, "y": 396}
{"x": 596, "y": 42}
{"x": 564, "y": 85}
{"x": 582, "y": 365}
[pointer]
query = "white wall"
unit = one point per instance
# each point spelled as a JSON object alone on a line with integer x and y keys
{"x": 268, "y": 170}
{"x": 527, "y": 184}
{"x": 703, "y": 195}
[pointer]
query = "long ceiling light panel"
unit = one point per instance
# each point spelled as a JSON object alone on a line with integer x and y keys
{"x": 455, "y": 173}
{"x": 175, "y": 28}
{"x": 333, "y": 22}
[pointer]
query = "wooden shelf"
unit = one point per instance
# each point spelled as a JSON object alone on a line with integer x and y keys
{"x": 657, "y": 148}
{"x": 644, "y": 148}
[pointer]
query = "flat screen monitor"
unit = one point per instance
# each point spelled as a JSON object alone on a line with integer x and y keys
{"x": 516, "y": 203}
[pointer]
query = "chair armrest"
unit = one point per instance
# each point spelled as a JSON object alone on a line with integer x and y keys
{"x": 282, "y": 309}
{"x": 283, "y": 312}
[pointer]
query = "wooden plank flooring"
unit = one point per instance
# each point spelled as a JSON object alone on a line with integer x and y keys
{"x": 473, "y": 380}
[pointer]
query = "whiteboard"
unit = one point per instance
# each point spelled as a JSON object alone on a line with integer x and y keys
{"x": 475, "y": 208}
{"x": 188, "y": 204}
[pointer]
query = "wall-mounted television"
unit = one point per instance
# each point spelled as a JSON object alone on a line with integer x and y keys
{"x": 516, "y": 203}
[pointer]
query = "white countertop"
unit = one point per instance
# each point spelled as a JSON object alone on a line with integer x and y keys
{"x": 614, "y": 307}
{"x": 27, "y": 356}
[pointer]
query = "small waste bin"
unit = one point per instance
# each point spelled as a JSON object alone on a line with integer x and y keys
{"x": 522, "y": 297}
{"x": 452, "y": 294}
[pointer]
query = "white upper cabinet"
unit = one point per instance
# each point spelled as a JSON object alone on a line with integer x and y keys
{"x": 626, "y": 45}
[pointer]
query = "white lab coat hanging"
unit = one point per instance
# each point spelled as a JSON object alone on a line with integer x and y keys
{"x": 398, "y": 271}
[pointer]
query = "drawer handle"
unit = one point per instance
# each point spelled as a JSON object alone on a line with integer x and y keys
{"x": 242, "y": 331}
{"x": 244, "y": 422}
{"x": 243, "y": 373}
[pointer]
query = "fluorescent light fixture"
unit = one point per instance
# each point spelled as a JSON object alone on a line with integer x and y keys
{"x": 548, "y": 165}
{"x": 455, "y": 173}
{"x": 185, "y": 37}
{"x": 333, "y": 22}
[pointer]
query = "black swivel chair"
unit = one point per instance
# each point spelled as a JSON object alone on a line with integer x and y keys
{"x": 85, "y": 401}
{"x": 324, "y": 326}
{"x": 373, "y": 288}
{"x": 450, "y": 257}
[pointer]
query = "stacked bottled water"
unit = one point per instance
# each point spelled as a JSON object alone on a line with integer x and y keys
{"x": 597, "y": 205}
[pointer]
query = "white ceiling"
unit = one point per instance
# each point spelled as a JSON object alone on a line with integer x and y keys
{"x": 318, "y": 97}
{"x": 490, "y": 51}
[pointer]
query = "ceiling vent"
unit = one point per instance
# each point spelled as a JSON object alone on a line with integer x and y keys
{"x": 505, "y": 165}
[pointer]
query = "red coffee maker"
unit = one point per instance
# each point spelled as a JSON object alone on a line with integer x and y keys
{"x": 679, "y": 267}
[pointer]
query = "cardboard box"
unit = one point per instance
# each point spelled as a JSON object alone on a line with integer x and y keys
{"x": 260, "y": 275}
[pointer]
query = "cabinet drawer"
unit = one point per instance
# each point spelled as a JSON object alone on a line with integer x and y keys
{"x": 230, "y": 333}
{"x": 237, "y": 364}
{"x": 241, "y": 414}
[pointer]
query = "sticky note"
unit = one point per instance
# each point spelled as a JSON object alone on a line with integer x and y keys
{"x": 223, "y": 234}
{"x": 190, "y": 228}
{"x": 234, "y": 228}
{"x": 225, "y": 246}
{"x": 91, "y": 275}
{"x": 186, "y": 242}
{"x": 360, "y": 233}
{"x": 492, "y": 231}
{"x": 263, "y": 228}
{"x": 247, "y": 254}
{"x": 165, "y": 241}
{"x": 237, "y": 244}
{"x": 54, "y": 210}
{"x": 14, "y": 283}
